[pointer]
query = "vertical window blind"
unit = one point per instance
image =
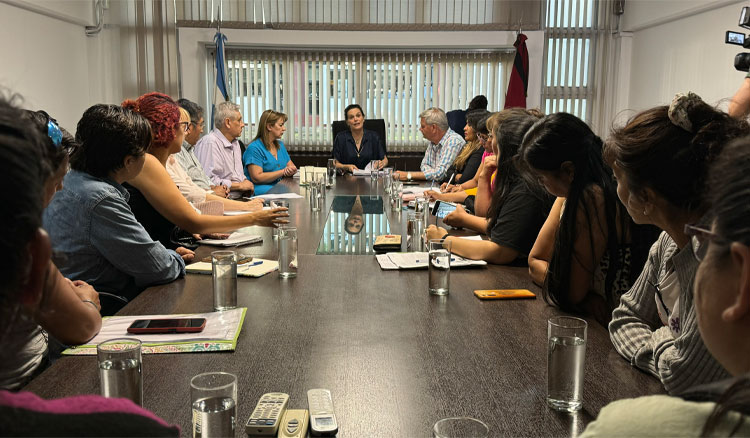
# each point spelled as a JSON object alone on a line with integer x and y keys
{"x": 568, "y": 57}
{"x": 314, "y": 87}
{"x": 336, "y": 241}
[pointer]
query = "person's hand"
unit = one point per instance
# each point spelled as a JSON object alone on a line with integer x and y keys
{"x": 246, "y": 186}
{"x": 381, "y": 164}
{"x": 490, "y": 166}
{"x": 185, "y": 253}
{"x": 434, "y": 232}
{"x": 85, "y": 291}
{"x": 350, "y": 168}
{"x": 432, "y": 194}
{"x": 220, "y": 190}
{"x": 455, "y": 189}
{"x": 445, "y": 187}
{"x": 290, "y": 170}
{"x": 253, "y": 205}
{"x": 269, "y": 218}
{"x": 456, "y": 217}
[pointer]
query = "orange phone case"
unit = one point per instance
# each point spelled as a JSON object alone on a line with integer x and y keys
{"x": 503, "y": 294}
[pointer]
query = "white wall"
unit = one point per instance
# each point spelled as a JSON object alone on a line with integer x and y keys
{"x": 52, "y": 64}
{"x": 684, "y": 52}
{"x": 193, "y": 54}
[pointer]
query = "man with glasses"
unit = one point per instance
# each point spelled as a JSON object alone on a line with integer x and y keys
{"x": 219, "y": 152}
{"x": 186, "y": 157}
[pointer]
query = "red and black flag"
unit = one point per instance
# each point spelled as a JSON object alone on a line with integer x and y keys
{"x": 519, "y": 77}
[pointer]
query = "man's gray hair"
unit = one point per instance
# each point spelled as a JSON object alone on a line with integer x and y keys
{"x": 224, "y": 110}
{"x": 435, "y": 116}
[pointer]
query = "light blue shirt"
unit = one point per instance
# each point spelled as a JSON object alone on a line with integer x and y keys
{"x": 90, "y": 222}
{"x": 438, "y": 157}
{"x": 256, "y": 153}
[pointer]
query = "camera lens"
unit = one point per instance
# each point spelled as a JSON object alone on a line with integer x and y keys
{"x": 742, "y": 61}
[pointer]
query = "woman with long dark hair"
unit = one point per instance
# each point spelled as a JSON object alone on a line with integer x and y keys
{"x": 722, "y": 305}
{"x": 583, "y": 255}
{"x": 661, "y": 158}
{"x": 355, "y": 148}
{"x": 516, "y": 211}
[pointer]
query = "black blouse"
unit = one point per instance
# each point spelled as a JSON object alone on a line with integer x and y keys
{"x": 345, "y": 150}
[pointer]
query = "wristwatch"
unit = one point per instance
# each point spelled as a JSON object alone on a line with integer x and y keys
{"x": 408, "y": 176}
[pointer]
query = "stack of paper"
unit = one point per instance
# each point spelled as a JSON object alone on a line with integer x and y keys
{"x": 235, "y": 239}
{"x": 253, "y": 268}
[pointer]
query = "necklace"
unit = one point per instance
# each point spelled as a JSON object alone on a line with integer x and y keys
{"x": 358, "y": 144}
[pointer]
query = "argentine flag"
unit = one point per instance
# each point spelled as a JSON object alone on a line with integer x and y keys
{"x": 221, "y": 93}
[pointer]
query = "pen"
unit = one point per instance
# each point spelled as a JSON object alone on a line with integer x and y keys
{"x": 450, "y": 180}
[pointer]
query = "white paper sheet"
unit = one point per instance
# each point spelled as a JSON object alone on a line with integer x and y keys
{"x": 268, "y": 196}
{"x": 234, "y": 239}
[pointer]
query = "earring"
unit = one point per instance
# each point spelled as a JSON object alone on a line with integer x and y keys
{"x": 644, "y": 212}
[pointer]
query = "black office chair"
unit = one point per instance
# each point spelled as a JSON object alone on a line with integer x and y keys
{"x": 377, "y": 125}
{"x": 457, "y": 121}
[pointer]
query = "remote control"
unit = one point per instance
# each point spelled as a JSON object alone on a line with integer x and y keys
{"x": 265, "y": 419}
{"x": 294, "y": 424}
{"x": 322, "y": 418}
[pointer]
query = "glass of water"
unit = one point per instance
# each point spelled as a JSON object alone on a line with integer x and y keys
{"x": 287, "y": 252}
{"x": 224, "y": 270}
{"x": 387, "y": 179}
{"x": 439, "y": 266}
{"x": 460, "y": 427}
{"x": 213, "y": 397}
{"x": 566, "y": 336}
{"x": 313, "y": 191}
{"x": 120, "y": 369}
{"x": 396, "y": 196}
{"x": 331, "y": 169}
{"x": 414, "y": 230}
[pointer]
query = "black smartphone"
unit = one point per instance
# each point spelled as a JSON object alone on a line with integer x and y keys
{"x": 172, "y": 325}
{"x": 441, "y": 209}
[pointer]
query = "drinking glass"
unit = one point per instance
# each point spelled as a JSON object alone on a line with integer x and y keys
{"x": 276, "y": 203}
{"x": 331, "y": 168}
{"x": 566, "y": 353}
{"x": 224, "y": 270}
{"x": 387, "y": 179}
{"x": 120, "y": 369}
{"x": 396, "y": 196}
{"x": 213, "y": 398}
{"x": 414, "y": 230}
{"x": 287, "y": 252}
{"x": 422, "y": 210}
{"x": 439, "y": 266}
{"x": 460, "y": 427}
{"x": 313, "y": 191}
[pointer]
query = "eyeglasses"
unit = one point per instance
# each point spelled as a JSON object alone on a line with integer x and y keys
{"x": 700, "y": 237}
{"x": 186, "y": 126}
{"x": 483, "y": 137}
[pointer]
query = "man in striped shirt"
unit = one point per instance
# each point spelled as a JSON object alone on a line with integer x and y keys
{"x": 444, "y": 147}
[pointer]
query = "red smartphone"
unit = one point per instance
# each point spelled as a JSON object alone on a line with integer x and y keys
{"x": 176, "y": 325}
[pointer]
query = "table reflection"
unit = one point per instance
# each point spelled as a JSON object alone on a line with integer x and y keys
{"x": 353, "y": 224}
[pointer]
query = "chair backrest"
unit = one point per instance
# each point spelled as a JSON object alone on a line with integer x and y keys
{"x": 377, "y": 125}
{"x": 457, "y": 121}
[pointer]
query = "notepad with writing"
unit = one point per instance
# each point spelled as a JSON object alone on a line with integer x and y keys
{"x": 419, "y": 260}
{"x": 253, "y": 268}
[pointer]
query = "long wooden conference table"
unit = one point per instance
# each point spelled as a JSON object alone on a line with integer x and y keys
{"x": 395, "y": 358}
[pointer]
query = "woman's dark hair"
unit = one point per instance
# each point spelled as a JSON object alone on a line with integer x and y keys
{"x": 553, "y": 140}
{"x": 653, "y": 152}
{"x": 54, "y": 154}
{"x": 482, "y": 124}
{"x": 22, "y": 177}
{"x": 195, "y": 110}
{"x": 728, "y": 194}
{"x": 477, "y": 103}
{"x": 107, "y": 134}
{"x": 509, "y": 134}
{"x": 474, "y": 117}
{"x": 350, "y": 107}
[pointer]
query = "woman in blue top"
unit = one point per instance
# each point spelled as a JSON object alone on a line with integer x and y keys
{"x": 266, "y": 160}
{"x": 355, "y": 148}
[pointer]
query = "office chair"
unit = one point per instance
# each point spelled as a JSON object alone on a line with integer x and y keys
{"x": 377, "y": 125}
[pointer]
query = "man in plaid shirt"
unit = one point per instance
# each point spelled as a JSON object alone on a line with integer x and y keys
{"x": 444, "y": 147}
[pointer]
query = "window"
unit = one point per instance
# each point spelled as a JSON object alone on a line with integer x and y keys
{"x": 568, "y": 57}
{"x": 314, "y": 87}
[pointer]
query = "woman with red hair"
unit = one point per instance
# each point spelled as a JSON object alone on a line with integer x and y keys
{"x": 155, "y": 199}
